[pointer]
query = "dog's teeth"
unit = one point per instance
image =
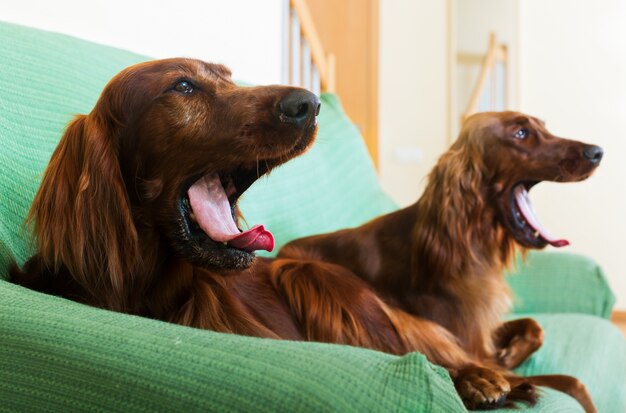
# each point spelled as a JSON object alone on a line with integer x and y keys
{"x": 536, "y": 234}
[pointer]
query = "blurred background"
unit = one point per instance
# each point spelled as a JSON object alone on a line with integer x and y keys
{"x": 407, "y": 71}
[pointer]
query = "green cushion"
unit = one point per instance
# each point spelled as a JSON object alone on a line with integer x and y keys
{"x": 60, "y": 355}
{"x": 46, "y": 79}
{"x": 57, "y": 355}
{"x": 586, "y": 347}
{"x": 561, "y": 282}
{"x": 550, "y": 401}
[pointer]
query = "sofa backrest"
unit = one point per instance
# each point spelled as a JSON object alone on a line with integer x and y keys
{"x": 47, "y": 78}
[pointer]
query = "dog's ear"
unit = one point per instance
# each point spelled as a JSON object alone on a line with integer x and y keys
{"x": 454, "y": 201}
{"x": 81, "y": 216}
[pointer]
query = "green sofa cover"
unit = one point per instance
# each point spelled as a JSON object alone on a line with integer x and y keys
{"x": 57, "y": 355}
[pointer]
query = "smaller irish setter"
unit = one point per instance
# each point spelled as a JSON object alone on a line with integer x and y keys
{"x": 442, "y": 258}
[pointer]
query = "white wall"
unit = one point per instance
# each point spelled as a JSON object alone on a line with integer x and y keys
{"x": 413, "y": 110}
{"x": 573, "y": 74}
{"x": 242, "y": 34}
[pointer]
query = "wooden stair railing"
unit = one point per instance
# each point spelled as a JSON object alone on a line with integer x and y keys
{"x": 305, "y": 62}
{"x": 490, "y": 91}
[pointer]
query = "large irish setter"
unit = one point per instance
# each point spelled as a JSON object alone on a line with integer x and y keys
{"x": 137, "y": 212}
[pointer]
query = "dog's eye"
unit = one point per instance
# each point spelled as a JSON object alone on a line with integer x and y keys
{"x": 183, "y": 87}
{"x": 521, "y": 134}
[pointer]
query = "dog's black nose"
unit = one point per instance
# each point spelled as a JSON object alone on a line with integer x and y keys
{"x": 299, "y": 107}
{"x": 593, "y": 154}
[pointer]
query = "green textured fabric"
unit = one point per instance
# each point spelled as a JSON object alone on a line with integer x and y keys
{"x": 583, "y": 346}
{"x": 62, "y": 356}
{"x": 56, "y": 355}
{"x": 45, "y": 79}
{"x": 550, "y": 401}
{"x": 588, "y": 348}
{"x": 560, "y": 282}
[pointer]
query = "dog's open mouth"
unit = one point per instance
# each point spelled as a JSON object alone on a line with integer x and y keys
{"x": 212, "y": 199}
{"x": 206, "y": 231}
{"x": 528, "y": 225}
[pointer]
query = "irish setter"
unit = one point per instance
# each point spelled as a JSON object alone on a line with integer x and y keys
{"x": 137, "y": 213}
{"x": 442, "y": 258}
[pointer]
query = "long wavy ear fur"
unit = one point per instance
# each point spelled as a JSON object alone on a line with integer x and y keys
{"x": 81, "y": 216}
{"x": 451, "y": 216}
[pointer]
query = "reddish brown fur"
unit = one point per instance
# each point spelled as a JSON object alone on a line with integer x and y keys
{"x": 107, "y": 220}
{"x": 443, "y": 257}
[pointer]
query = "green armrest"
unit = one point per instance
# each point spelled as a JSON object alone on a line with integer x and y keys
{"x": 57, "y": 355}
{"x": 586, "y": 347}
{"x": 555, "y": 282}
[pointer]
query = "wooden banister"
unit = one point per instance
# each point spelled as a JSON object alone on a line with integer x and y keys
{"x": 320, "y": 66}
{"x": 495, "y": 54}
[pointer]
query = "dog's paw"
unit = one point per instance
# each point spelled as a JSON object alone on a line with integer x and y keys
{"x": 481, "y": 388}
{"x": 516, "y": 340}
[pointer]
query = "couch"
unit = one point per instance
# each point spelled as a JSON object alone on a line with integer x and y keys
{"x": 58, "y": 355}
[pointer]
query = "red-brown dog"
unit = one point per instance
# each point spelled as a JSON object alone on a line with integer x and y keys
{"x": 442, "y": 258}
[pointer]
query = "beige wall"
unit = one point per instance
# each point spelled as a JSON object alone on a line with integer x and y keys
{"x": 413, "y": 103}
{"x": 573, "y": 74}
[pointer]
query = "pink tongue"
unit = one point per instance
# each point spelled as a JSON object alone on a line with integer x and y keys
{"x": 213, "y": 214}
{"x": 256, "y": 238}
{"x": 521, "y": 197}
